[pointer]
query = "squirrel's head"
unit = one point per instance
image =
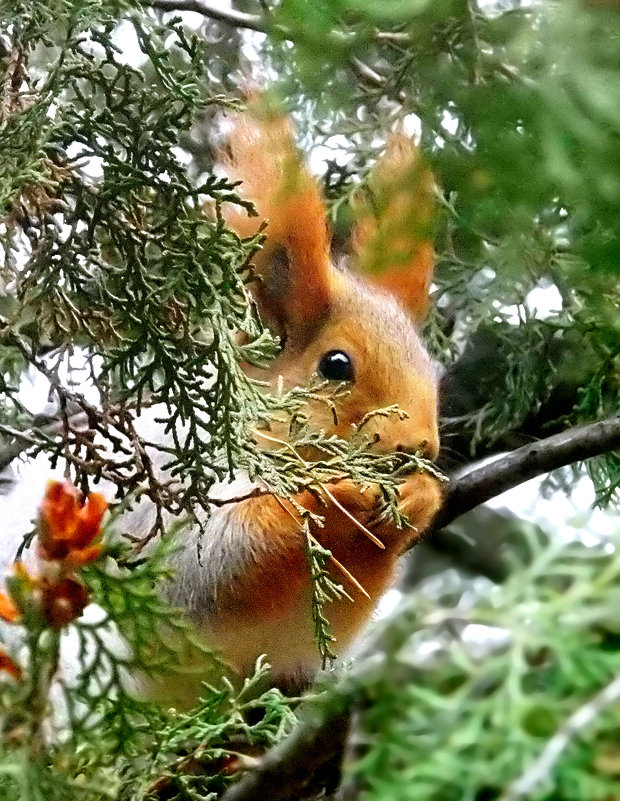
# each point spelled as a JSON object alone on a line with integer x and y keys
{"x": 359, "y": 336}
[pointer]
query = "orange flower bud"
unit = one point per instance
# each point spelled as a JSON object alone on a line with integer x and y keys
{"x": 62, "y": 601}
{"x": 8, "y": 610}
{"x": 9, "y": 666}
{"x": 67, "y": 524}
{"x": 84, "y": 556}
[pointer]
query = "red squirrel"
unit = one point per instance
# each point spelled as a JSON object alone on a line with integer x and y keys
{"x": 253, "y": 593}
{"x": 250, "y": 591}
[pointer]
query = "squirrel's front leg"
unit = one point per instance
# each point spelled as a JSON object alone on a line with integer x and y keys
{"x": 266, "y": 608}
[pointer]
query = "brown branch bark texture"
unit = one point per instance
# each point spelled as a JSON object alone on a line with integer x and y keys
{"x": 480, "y": 484}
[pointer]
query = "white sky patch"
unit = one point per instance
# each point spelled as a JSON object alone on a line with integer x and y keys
{"x": 412, "y": 125}
{"x": 194, "y": 20}
{"x": 34, "y": 388}
{"x": 335, "y": 148}
{"x": 388, "y": 603}
{"x": 572, "y": 518}
{"x": 124, "y": 37}
{"x": 182, "y": 156}
{"x": 513, "y": 315}
{"x": 482, "y": 640}
{"x": 91, "y": 166}
{"x": 251, "y": 46}
{"x": 495, "y": 8}
{"x": 544, "y": 301}
{"x": 449, "y": 122}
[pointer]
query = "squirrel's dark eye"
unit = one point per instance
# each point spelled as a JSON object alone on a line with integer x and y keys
{"x": 336, "y": 366}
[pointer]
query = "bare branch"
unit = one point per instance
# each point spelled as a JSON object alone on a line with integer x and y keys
{"x": 366, "y": 73}
{"x": 227, "y": 16}
{"x": 480, "y": 484}
{"x": 291, "y": 767}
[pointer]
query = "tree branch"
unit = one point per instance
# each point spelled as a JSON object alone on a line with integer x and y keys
{"x": 227, "y": 16}
{"x": 366, "y": 73}
{"x": 480, "y": 484}
{"x": 260, "y": 23}
{"x": 289, "y": 768}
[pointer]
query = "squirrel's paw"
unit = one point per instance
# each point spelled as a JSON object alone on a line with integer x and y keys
{"x": 420, "y": 499}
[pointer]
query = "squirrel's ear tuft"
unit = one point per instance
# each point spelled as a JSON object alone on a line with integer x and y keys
{"x": 394, "y": 214}
{"x": 293, "y": 267}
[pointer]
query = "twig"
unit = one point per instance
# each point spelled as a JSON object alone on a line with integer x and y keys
{"x": 542, "y": 766}
{"x": 260, "y": 23}
{"x": 393, "y": 37}
{"x": 366, "y": 73}
{"x": 348, "y": 574}
{"x": 228, "y": 16}
{"x": 353, "y": 519}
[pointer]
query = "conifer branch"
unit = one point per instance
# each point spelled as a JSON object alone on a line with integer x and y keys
{"x": 260, "y": 23}
{"x": 543, "y": 765}
{"x": 291, "y": 766}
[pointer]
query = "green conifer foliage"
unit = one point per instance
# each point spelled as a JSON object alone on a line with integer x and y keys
{"x": 115, "y": 257}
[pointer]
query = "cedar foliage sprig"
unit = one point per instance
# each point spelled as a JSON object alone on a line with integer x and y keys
{"x": 519, "y": 117}
{"x": 198, "y": 752}
{"x": 476, "y": 676}
{"x": 129, "y": 274}
{"x": 85, "y": 729}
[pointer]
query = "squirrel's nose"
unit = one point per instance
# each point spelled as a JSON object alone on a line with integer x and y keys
{"x": 406, "y": 436}
{"x": 428, "y": 448}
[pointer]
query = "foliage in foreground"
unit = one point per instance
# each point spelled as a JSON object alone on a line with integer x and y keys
{"x": 500, "y": 692}
{"x": 469, "y": 675}
{"x": 85, "y": 728}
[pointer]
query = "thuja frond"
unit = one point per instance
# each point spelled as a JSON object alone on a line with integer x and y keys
{"x": 59, "y": 718}
{"x": 331, "y": 457}
{"x": 130, "y": 275}
{"x": 137, "y": 638}
{"x": 462, "y": 682}
{"x": 324, "y": 590}
{"x": 198, "y": 752}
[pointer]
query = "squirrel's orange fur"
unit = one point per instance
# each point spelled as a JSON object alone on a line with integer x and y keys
{"x": 260, "y": 600}
{"x": 394, "y": 218}
{"x": 263, "y": 155}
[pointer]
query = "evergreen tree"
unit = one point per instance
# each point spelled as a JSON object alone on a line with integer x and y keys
{"x": 116, "y": 261}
